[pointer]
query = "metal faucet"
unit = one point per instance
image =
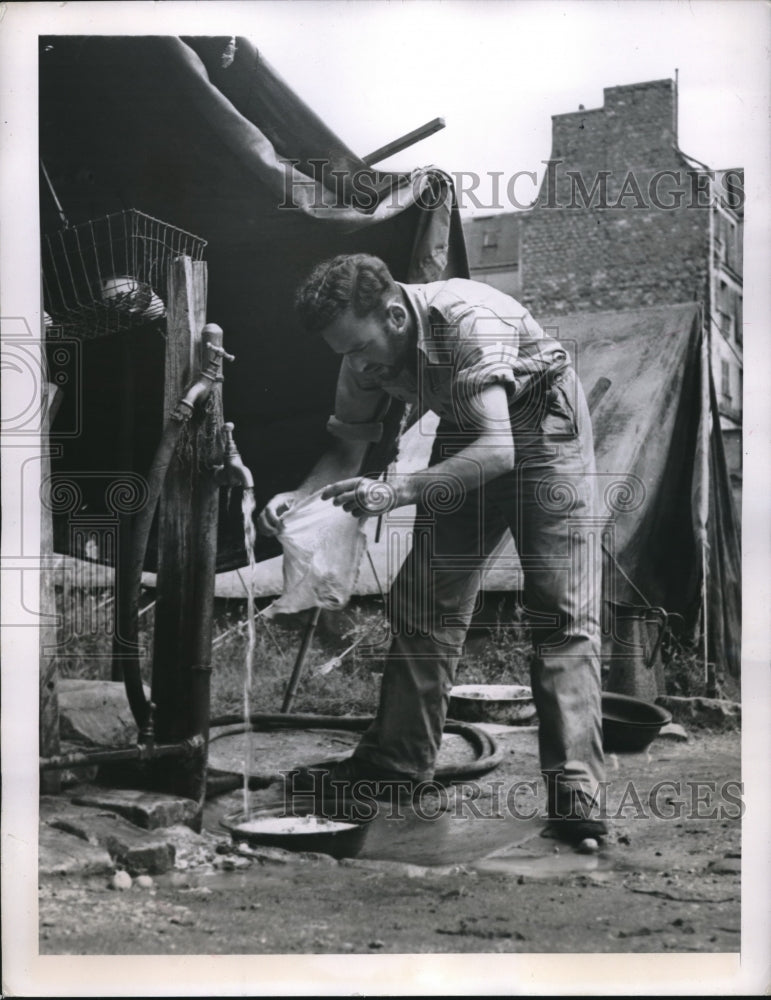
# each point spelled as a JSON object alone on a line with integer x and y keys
{"x": 199, "y": 391}
{"x": 233, "y": 472}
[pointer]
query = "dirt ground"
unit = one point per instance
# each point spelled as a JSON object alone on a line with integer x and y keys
{"x": 468, "y": 881}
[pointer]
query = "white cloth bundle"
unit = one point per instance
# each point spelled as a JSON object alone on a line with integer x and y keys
{"x": 323, "y": 546}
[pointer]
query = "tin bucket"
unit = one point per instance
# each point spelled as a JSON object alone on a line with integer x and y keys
{"x": 631, "y": 649}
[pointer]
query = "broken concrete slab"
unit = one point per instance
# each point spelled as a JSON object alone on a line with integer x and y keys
{"x": 709, "y": 713}
{"x": 673, "y": 731}
{"x": 193, "y": 849}
{"x": 96, "y": 713}
{"x": 149, "y": 810}
{"x": 138, "y": 851}
{"x": 61, "y": 853}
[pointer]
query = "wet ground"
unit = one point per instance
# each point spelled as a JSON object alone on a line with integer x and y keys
{"x": 474, "y": 878}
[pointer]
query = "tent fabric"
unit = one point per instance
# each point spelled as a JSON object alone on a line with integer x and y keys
{"x": 168, "y": 127}
{"x": 646, "y": 369}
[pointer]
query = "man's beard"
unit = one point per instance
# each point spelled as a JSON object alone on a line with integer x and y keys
{"x": 389, "y": 373}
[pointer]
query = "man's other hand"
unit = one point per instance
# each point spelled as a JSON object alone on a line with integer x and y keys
{"x": 269, "y": 521}
{"x": 364, "y": 497}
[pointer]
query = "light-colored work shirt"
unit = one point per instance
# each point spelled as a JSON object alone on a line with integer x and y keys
{"x": 469, "y": 336}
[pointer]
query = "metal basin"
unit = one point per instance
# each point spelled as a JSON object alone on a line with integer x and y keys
{"x": 629, "y": 724}
{"x": 273, "y": 828}
{"x": 507, "y": 704}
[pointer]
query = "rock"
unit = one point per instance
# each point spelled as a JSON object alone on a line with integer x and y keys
{"x": 145, "y": 882}
{"x": 709, "y": 713}
{"x": 376, "y": 944}
{"x": 673, "y": 731}
{"x": 726, "y": 866}
{"x": 137, "y": 850}
{"x": 60, "y": 853}
{"x": 192, "y": 849}
{"x": 96, "y": 713}
{"x": 149, "y": 810}
{"x": 276, "y": 855}
{"x": 231, "y": 863}
{"x": 588, "y": 846}
{"x": 120, "y": 880}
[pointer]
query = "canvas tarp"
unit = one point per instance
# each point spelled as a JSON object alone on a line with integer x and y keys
{"x": 174, "y": 128}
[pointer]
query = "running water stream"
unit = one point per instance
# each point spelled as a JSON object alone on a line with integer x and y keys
{"x": 250, "y": 537}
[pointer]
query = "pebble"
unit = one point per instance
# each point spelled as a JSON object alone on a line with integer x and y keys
{"x": 120, "y": 880}
{"x": 377, "y": 944}
{"x": 145, "y": 882}
{"x": 588, "y": 846}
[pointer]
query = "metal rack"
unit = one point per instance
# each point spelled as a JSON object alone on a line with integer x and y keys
{"x": 109, "y": 274}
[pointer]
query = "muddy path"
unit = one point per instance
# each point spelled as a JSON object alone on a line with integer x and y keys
{"x": 667, "y": 881}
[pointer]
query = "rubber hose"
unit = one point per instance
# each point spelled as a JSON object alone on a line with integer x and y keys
{"x": 489, "y": 754}
{"x": 126, "y": 637}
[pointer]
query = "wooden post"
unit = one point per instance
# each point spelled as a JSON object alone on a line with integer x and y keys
{"x": 174, "y": 654}
{"x": 50, "y": 781}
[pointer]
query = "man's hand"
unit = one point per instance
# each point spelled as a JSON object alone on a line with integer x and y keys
{"x": 269, "y": 521}
{"x": 365, "y": 497}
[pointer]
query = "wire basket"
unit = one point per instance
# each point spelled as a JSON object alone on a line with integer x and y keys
{"x": 109, "y": 274}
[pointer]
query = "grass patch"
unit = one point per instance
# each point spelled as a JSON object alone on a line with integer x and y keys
{"x": 498, "y": 651}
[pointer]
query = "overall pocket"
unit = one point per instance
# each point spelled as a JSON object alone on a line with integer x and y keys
{"x": 560, "y": 419}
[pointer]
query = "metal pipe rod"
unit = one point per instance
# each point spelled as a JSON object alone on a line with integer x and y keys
{"x": 186, "y": 748}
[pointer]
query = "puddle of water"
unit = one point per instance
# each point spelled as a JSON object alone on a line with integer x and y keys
{"x": 544, "y": 866}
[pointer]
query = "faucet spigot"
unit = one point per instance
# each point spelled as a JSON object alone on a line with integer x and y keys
{"x": 234, "y": 472}
{"x": 199, "y": 391}
{"x": 221, "y": 352}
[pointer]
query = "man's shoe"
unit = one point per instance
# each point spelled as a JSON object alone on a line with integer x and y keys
{"x": 571, "y": 820}
{"x": 349, "y": 788}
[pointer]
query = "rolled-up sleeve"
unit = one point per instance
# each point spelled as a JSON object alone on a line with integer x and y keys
{"x": 359, "y": 410}
{"x": 489, "y": 353}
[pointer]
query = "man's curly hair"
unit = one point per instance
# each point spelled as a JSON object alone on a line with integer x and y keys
{"x": 357, "y": 280}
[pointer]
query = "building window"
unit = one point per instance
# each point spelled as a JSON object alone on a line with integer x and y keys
{"x": 725, "y": 380}
{"x": 490, "y": 239}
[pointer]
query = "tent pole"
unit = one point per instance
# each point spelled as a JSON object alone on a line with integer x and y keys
{"x": 706, "y": 405}
{"x": 709, "y": 668}
{"x": 294, "y": 680}
{"x": 404, "y": 142}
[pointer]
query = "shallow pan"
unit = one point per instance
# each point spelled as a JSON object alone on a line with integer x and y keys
{"x": 630, "y": 724}
{"x": 273, "y": 828}
{"x": 507, "y": 704}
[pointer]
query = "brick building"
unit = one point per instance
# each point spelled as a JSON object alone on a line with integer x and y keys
{"x": 624, "y": 219}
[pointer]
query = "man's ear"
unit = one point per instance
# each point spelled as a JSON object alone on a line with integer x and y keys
{"x": 397, "y": 314}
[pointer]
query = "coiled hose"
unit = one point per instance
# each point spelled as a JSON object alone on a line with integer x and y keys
{"x": 489, "y": 754}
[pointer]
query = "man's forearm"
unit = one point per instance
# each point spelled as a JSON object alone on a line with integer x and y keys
{"x": 483, "y": 460}
{"x": 340, "y": 461}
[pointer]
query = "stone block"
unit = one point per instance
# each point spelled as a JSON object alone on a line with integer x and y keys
{"x": 60, "y": 853}
{"x": 138, "y": 851}
{"x": 708, "y": 713}
{"x": 96, "y": 713}
{"x": 149, "y": 810}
